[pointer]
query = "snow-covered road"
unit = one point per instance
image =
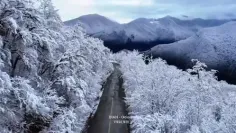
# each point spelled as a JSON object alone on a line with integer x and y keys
{"x": 111, "y": 115}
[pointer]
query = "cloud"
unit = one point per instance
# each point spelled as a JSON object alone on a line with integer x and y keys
{"x": 69, "y": 9}
{"x": 127, "y": 10}
{"x": 131, "y": 2}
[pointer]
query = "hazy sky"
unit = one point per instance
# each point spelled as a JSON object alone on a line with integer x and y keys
{"x": 127, "y": 10}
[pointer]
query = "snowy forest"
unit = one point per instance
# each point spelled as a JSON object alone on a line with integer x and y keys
{"x": 52, "y": 75}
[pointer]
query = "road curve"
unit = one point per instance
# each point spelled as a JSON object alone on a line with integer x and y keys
{"x": 111, "y": 114}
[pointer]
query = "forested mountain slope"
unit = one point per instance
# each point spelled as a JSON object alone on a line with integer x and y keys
{"x": 214, "y": 46}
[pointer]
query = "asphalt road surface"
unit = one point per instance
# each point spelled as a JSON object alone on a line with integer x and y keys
{"x": 111, "y": 115}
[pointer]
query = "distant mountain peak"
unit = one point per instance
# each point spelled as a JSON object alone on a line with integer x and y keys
{"x": 139, "y": 20}
{"x": 90, "y": 18}
{"x": 168, "y": 16}
{"x": 96, "y": 16}
{"x": 93, "y": 23}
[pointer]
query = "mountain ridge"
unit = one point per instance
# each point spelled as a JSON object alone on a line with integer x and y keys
{"x": 142, "y": 33}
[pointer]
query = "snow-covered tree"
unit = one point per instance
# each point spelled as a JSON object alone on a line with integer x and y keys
{"x": 47, "y": 70}
{"x": 164, "y": 99}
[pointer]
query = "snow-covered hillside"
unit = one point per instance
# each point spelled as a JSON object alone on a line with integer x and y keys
{"x": 215, "y": 46}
